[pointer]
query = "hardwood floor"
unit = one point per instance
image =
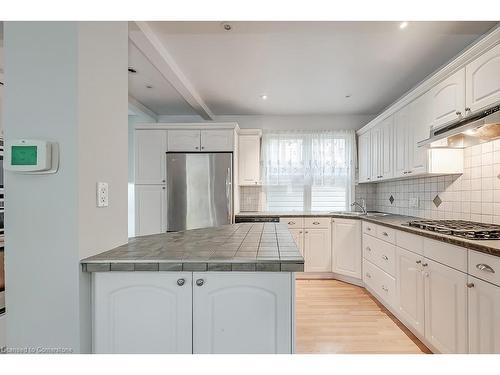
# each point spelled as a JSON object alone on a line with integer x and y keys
{"x": 336, "y": 317}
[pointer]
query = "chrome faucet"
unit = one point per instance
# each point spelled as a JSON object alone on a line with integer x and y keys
{"x": 362, "y": 205}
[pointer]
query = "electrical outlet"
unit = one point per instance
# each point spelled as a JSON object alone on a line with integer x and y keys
{"x": 102, "y": 194}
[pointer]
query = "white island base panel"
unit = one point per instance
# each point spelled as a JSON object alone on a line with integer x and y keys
{"x": 193, "y": 312}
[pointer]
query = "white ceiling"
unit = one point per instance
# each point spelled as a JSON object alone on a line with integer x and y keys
{"x": 303, "y": 67}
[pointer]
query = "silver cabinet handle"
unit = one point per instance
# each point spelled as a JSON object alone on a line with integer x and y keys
{"x": 368, "y": 248}
{"x": 162, "y": 180}
{"x": 410, "y": 172}
{"x": 424, "y": 264}
{"x": 384, "y": 288}
{"x": 181, "y": 282}
{"x": 202, "y": 147}
{"x": 405, "y": 172}
{"x": 200, "y": 282}
{"x": 467, "y": 109}
{"x": 368, "y": 229}
{"x": 368, "y": 275}
{"x": 384, "y": 257}
{"x": 291, "y": 222}
{"x": 385, "y": 234}
{"x": 316, "y": 222}
{"x": 485, "y": 268}
{"x": 470, "y": 285}
{"x": 418, "y": 262}
{"x": 307, "y": 231}
{"x": 458, "y": 113}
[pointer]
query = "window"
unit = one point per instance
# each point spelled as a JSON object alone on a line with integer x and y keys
{"x": 308, "y": 170}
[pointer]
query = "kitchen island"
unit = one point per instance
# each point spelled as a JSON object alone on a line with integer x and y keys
{"x": 227, "y": 289}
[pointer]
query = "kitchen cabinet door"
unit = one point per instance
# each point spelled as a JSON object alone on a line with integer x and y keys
{"x": 242, "y": 312}
{"x": 150, "y": 156}
{"x": 150, "y": 209}
{"x": 410, "y": 289}
{"x": 482, "y": 79}
{"x": 364, "y": 157}
{"x": 142, "y": 312}
{"x": 448, "y": 99}
{"x": 217, "y": 140}
{"x": 484, "y": 311}
{"x": 184, "y": 140}
{"x": 298, "y": 237}
{"x": 419, "y": 129}
{"x": 318, "y": 250}
{"x": 375, "y": 154}
{"x": 346, "y": 247}
{"x": 386, "y": 148}
{"x": 445, "y": 307}
{"x": 401, "y": 121}
{"x": 249, "y": 159}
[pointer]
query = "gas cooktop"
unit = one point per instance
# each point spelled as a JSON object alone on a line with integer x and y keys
{"x": 460, "y": 228}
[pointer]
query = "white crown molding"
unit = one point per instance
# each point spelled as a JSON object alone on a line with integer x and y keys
{"x": 190, "y": 126}
{"x": 470, "y": 53}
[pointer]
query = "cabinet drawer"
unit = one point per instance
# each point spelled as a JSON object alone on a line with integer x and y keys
{"x": 380, "y": 253}
{"x": 317, "y": 222}
{"x": 380, "y": 282}
{"x": 410, "y": 242}
{"x": 386, "y": 234}
{"x": 450, "y": 255}
{"x": 484, "y": 266}
{"x": 369, "y": 228}
{"x": 293, "y": 222}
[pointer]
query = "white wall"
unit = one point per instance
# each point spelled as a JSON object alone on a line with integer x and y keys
{"x": 296, "y": 122}
{"x": 71, "y": 87}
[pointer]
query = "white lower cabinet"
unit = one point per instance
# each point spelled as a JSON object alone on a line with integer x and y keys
{"x": 317, "y": 250}
{"x": 150, "y": 209}
{"x": 193, "y": 312}
{"x": 484, "y": 314}
{"x": 142, "y": 312}
{"x": 410, "y": 289}
{"x": 346, "y": 247}
{"x": 445, "y": 307}
{"x": 241, "y": 313}
{"x": 298, "y": 237}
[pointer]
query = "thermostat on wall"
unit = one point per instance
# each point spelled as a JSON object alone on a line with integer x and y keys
{"x": 31, "y": 156}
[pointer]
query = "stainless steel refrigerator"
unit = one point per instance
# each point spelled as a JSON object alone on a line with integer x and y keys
{"x": 199, "y": 190}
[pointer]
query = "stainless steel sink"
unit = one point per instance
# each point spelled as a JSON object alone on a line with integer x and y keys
{"x": 355, "y": 213}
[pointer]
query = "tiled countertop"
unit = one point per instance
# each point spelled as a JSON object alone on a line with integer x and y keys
{"x": 399, "y": 222}
{"x": 260, "y": 247}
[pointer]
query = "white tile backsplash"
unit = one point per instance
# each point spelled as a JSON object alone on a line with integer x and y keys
{"x": 474, "y": 195}
{"x": 251, "y": 198}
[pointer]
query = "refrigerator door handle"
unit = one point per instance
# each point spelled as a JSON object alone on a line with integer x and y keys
{"x": 228, "y": 196}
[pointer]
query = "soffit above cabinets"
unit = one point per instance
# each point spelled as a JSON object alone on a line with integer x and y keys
{"x": 306, "y": 67}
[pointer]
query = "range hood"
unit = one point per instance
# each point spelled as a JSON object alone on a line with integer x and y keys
{"x": 472, "y": 130}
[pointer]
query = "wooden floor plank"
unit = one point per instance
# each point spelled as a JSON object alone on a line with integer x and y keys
{"x": 336, "y": 317}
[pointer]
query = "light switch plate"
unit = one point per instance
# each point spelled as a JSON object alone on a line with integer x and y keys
{"x": 102, "y": 194}
{"x": 413, "y": 202}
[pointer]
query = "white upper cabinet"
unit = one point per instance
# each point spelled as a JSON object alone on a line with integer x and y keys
{"x": 484, "y": 311}
{"x": 184, "y": 140}
{"x": 249, "y": 159}
{"x": 364, "y": 160}
{"x": 217, "y": 140}
{"x": 445, "y": 307}
{"x": 482, "y": 78}
{"x": 448, "y": 99}
{"x": 401, "y": 140}
{"x": 386, "y": 149}
{"x": 150, "y": 158}
{"x": 375, "y": 155}
{"x": 346, "y": 247}
{"x": 418, "y": 130}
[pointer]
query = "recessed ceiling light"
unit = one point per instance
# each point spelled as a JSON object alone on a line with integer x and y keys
{"x": 131, "y": 70}
{"x": 403, "y": 25}
{"x": 226, "y": 26}
{"x": 263, "y": 97}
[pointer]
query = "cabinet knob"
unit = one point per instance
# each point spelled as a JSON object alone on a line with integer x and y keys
{"x": 316, "y": 222}
{"x": 418, "y": 262}
{"x": 458, "y": 113}
{"x": 200, "y": 282}
{"x": 485, "y": 268}
{"x": 291, "y": 222}
{"x": 368, "y": 248}
{"x": 196, "y": 148}
{"x": 307, "y": 231}
{"x": 368, "y": 275}
{"x": 181, "y": 282}
{"x": 424, "y": 264}
{"x": 384, "y": 257}
{"x": 368, "y": 229}
{"x": 384, "y": 288}
{"x": 202, "y": 147}
{"x": 467, "y": 109}
{"x": 385, "y": 234}
{"x": 470, "y": 285}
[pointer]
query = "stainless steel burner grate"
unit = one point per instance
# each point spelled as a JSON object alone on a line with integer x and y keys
{"x": 460, "y": 228}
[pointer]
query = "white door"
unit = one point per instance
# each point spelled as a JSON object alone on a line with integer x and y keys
{"x": 298, "y": 237}
{"x": 150, "y": 209}
{"x": 484, "y": 315}
{"x": 445, "y": 307}
{"x": 346, "y": 247}
{"x": 142, "y": 312}
{"x": 317, "y": 249}
{"x": 217, "y": 140}
{"x": 482, "y": 78}
{"x": 410, "y": 289}
{"x": 150, "y": 156}
{"x": 386, "y": 148}
{"x": 375, "y": 153}
{"x": 183, "y": 140}
{"x": 249, "y": 159}
{"x": 448, "y": 99}
{"x": 364, "y": 158}
{"x": 401, "y": 119}
{"x": 242, "y": 312}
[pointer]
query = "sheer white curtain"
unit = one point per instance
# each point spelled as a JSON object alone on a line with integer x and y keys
{"x": 309, "y": 170}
